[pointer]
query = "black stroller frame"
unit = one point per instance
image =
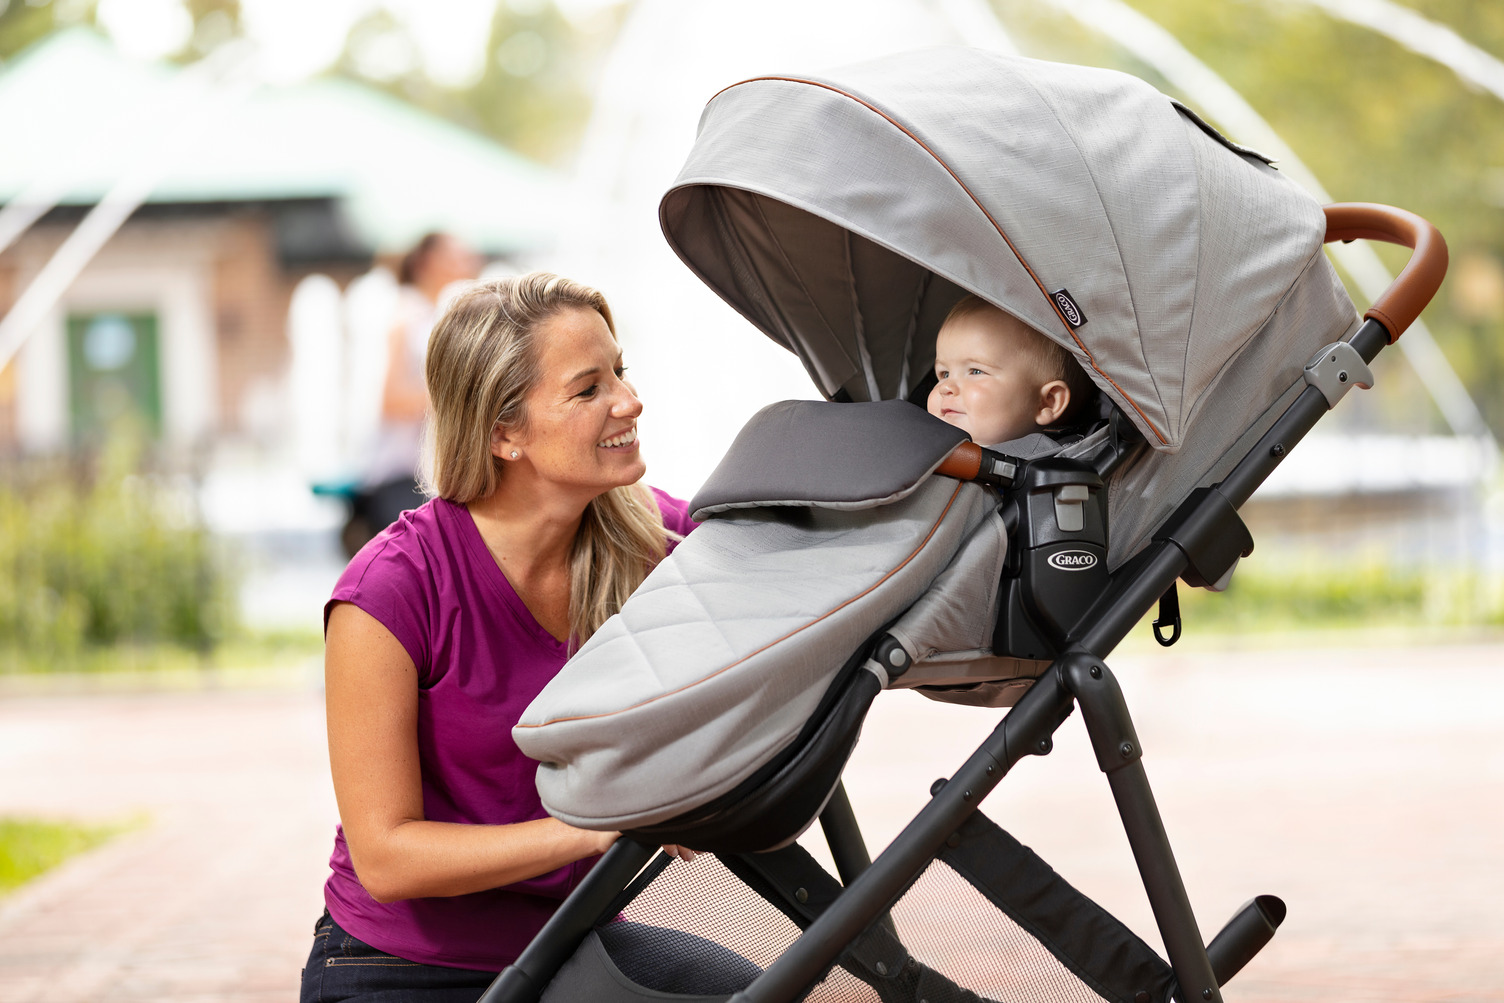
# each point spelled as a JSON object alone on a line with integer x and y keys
{"x": 1200, "y": 543}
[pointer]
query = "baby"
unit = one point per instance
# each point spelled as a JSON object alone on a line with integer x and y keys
{"x": 999, "y": 379}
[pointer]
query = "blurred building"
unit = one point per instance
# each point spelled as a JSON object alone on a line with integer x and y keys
{"x": 183, "y": 315}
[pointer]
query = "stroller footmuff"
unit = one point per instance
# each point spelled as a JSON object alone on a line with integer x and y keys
{"x": 858, "y": 544}
{"x": 722, "y": 658}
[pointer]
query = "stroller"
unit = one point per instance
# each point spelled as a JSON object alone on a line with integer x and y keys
{"x": 858, "y": 544}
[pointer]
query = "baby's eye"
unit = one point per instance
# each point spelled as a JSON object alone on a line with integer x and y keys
{"x": 973, "y": 371}
{"x": 942, "y": 373}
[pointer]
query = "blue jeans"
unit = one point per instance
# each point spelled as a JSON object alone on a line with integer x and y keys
{"x": 342, "y": 968}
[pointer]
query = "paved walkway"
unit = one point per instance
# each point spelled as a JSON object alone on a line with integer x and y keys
{"x": 215, "y": 897}
{"x": 1364, "y": 787}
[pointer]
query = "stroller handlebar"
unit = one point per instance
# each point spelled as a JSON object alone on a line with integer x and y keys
{"x": 1418, "y": 281}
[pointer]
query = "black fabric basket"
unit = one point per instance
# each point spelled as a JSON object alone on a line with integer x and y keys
{"x": 988, "y": 920}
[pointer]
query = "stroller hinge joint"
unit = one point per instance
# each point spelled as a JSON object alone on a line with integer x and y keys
{"x": 1102, "y": 706}
{"x": 1335, "y": 370}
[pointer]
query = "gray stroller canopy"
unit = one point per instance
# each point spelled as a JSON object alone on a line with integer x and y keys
{"x": 843, "y": 216}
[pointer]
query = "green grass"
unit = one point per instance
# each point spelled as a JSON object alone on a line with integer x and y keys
{"x": 28, "y": 846}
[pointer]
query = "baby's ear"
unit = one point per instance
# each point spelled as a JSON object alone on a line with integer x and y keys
{"x": 1054, "y": 398}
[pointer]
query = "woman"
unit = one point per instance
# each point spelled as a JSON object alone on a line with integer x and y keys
{"x": 449, "y": 623}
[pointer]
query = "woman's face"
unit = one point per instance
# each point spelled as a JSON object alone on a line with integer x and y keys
{"x": 581, "y": 430}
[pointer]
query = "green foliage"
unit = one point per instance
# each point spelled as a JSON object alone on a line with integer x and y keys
{"x": 22, "y": 22}
{"x": 95, "y": 562}
{"x": 30, "y": 846}
{"x": 532, "y": 94}
{"x": 1286, "y": 596}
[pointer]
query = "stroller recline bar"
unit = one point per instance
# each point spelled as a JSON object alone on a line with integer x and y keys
{"x": 1079, "y": 571}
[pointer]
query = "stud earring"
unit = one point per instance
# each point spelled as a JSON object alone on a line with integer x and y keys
{"x": 514, "y": 454}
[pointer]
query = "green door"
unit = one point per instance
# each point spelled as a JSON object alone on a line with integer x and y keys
{"x": 113, "y": 373}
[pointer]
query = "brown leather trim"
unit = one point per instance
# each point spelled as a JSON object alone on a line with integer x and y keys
{"x": 997, "y": 226}
{"x": 826, "y": 615}
{"x": 1399, "y": 305}
{"x": 963, "y": 463}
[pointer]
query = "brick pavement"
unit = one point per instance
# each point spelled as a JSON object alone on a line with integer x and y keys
{"x": 1364, "y": 787}
{"x": 214, "y": 898}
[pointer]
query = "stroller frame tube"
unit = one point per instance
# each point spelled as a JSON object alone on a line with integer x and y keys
{"x": 1120, "y": 757}
{"x": 844, "y": 836}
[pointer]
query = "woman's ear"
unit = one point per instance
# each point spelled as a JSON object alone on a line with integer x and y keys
{"x": 1054, "y": 398}
{"x": 501, "y": 443}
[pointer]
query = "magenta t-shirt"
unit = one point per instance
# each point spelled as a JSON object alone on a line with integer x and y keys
{"x": 481, "y": 659}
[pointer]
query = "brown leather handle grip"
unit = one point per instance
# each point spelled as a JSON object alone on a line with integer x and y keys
{"x": 964, "y": 462}
{"x": 1418, "y": 281}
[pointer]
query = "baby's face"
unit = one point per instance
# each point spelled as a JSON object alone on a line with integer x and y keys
{"x": 986, "y": 384}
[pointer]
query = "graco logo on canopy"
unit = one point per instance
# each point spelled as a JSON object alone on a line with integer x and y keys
{"x": 1068, "y": 308}
{"x": 1072, "y": 560}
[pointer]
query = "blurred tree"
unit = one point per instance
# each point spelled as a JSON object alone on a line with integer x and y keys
{"x": 532, "y": 93}
{"x": 215, "y": 22}
{"x": 23, "y": 22}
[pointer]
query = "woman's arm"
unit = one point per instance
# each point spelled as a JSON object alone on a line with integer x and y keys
{"x": 371, "y": 691}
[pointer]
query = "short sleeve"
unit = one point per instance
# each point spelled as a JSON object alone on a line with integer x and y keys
{"x": 389, "y": 579}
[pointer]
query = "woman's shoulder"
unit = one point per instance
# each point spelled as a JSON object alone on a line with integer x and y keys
{"x": 410, "y": 545}
{"x": 394, "y": 576}
{"x": 675, "y": 512}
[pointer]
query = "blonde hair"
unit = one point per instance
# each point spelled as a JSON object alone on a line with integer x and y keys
{"x": 483, "y": 359}
{"x": 1049, "y": 361}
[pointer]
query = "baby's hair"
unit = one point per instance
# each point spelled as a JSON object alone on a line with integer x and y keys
{"x": 1051, "y": 361}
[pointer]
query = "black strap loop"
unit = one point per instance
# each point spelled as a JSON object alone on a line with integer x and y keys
{"x": 1169, "y": 616}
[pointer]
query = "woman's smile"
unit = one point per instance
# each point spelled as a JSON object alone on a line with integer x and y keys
{"x": 621, "y": 441}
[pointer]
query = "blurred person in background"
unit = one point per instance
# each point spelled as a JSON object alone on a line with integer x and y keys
{"x": 390, "y": 485}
